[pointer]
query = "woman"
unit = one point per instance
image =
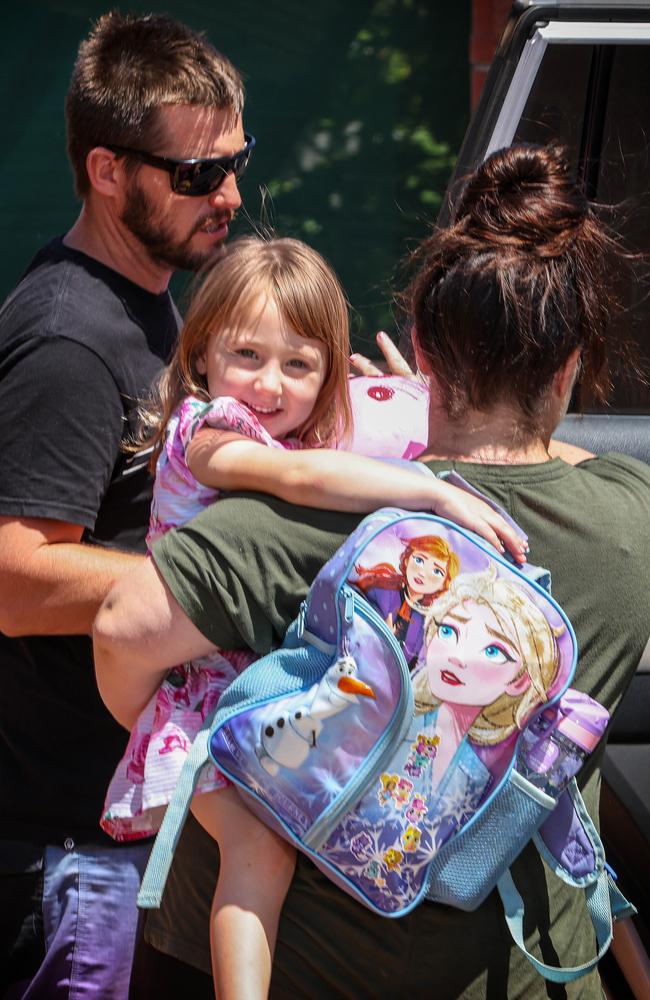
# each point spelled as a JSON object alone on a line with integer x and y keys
{"x": 509, "y": 305}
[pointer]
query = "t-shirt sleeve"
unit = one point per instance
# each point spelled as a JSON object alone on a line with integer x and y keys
{"x": 61, "y": 422}
{"x": 240, "y": 569}
{"x": 223, "y": 414}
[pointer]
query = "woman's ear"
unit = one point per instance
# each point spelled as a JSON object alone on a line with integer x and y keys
{"x": 565, "y": 377}
{"x": 420, "y": 359}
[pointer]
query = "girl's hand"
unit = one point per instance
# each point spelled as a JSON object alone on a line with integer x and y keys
{"x": 395, "y": 363}
{"x": 468, "y": 511}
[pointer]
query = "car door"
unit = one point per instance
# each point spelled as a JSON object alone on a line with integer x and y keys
{"x": 579, "y": 73}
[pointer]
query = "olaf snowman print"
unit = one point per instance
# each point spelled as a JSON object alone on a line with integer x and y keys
{"x": 292, "y": 728}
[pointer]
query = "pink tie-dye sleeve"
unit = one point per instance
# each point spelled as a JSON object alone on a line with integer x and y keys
{"x": 227, "y": 414}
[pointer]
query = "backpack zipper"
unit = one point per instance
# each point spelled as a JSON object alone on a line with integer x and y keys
{"x": 385, "y": 746}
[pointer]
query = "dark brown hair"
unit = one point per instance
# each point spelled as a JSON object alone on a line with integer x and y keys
{"x": 127, "y": 69}
{"x": 516, "y": 283}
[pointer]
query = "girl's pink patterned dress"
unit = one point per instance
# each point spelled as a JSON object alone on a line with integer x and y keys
{"x": 145, "y": 777}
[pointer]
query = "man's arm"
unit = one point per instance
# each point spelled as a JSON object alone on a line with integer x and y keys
{"x": 139, "y": 633}
{"x": 61, "y": 421}
{"x": 50, "y": 584}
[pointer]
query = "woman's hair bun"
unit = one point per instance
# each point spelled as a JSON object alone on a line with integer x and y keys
{"x": 523, "y": 197}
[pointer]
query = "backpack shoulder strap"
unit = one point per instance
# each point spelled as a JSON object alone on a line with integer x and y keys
{"x": 570, "y": 845}
{"x": 162, "y": 852}
{"x": 603, "y": 900}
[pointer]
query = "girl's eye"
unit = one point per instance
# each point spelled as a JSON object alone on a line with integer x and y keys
{"x": 247, "y": 353}
{"x": 298, "y": 363}
{"x": 438, "y": 572}
{"x": 448, "y": 633}
{"x": 418, "y": 560}
{"x": 497, "y": 655}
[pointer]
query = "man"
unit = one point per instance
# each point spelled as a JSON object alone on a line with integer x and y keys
{"x": 81, "y": 337}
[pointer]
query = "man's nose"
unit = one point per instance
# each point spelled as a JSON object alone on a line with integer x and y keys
{"x": 227, "y": 196}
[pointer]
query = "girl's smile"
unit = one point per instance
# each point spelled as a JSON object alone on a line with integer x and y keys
{"x": 268, "y": 366}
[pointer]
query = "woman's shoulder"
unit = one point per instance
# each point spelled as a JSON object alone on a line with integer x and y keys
{"x": 616, "y": 468}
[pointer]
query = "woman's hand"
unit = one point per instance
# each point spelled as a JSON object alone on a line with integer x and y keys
{"x": 395, "y": 363}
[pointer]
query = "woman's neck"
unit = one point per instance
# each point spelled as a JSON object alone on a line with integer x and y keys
{"x": 493, "y": 438}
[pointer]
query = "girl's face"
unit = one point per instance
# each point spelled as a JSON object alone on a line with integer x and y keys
{"x": 267, "y": 366}
{"x": 425, "y": 573}
{"x": 469, "y": 659}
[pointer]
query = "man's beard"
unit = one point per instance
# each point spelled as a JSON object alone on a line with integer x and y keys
{"x": 140, "y": 218}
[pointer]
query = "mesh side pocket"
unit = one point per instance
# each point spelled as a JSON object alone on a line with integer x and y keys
{"x": 466, "y": 869}
{"x": 292, "y": 668}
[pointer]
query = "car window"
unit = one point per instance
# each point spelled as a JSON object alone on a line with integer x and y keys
{"x": 624, "y": 171}
{"x": 589, "y": 87}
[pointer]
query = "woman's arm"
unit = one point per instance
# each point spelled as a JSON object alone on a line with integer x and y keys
{"x": 339, "y": 480}
{"x": 569, "y": 453}
{"x": 139, "y": 633}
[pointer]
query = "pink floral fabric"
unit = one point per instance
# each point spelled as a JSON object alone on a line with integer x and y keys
{"x": 160, "y": 741}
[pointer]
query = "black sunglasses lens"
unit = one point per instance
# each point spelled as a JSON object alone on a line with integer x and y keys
{"x": 196, "y": 179}
{"x": 240, "y": 162}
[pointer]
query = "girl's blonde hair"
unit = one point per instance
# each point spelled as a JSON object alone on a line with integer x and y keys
{"x": 310, "y": 299}
{"x": 528, "y": 631}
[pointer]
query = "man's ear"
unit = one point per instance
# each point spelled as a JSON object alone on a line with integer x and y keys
{"x": 105, "y": 172}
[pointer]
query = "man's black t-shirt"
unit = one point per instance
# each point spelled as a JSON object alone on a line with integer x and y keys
{"x": 79, "y": 345}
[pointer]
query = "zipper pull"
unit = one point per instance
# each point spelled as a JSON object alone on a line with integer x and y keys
{"x": 302, "y": 614}
{"x": 348, "y": 609}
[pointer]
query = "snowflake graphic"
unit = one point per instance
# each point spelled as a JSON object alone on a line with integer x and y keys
{"x": 458, "y": 805}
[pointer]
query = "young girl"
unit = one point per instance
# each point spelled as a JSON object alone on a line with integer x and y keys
{"x": 259, "y": 380}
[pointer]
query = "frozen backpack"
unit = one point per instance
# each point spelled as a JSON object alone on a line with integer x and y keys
{"x": 415, "y": 730}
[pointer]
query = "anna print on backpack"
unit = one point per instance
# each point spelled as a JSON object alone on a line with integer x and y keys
{"x": 426, "y": 568}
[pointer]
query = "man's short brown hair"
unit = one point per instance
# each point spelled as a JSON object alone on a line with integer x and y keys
{"x": 129, "y": 67}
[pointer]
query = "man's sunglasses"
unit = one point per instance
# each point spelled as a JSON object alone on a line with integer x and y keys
{"x": 195, "y": 177}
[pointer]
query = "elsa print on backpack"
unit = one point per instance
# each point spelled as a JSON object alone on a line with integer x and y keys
{"x": 489, "y": 659}
{"x": 373, "y": 768}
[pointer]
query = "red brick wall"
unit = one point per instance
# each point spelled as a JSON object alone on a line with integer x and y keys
{"x": 488, "y": 21}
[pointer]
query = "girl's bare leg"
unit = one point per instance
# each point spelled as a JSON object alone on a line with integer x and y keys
{"x": 256, "y": 869}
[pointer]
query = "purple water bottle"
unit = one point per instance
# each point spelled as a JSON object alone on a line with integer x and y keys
{"x": 553, "y": 748}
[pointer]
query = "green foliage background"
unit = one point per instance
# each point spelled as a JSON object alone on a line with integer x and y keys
{"x": 359, "y": 108}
